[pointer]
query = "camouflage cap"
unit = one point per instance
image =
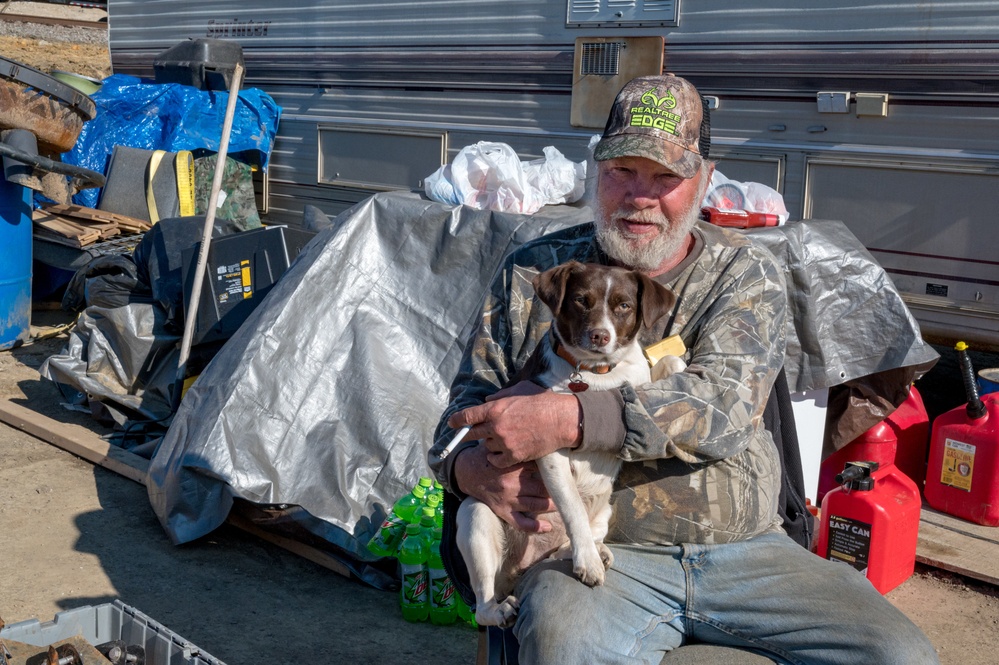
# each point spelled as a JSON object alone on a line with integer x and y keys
{"x": 659, "y": 118}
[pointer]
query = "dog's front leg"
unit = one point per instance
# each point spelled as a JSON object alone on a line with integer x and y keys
{"x": 557, "y": 474}
{"x": 481, "y": 540}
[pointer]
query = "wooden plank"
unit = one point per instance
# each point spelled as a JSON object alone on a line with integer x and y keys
{"x": 93, "y": 214}
{"x": 959, "y": 546}
{"x": 295, "y": 547}
{"x": 76, "y": 439}
{"x": 82, "y": 442}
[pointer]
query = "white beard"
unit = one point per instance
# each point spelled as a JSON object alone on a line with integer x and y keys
{"x": 634, "y": 250}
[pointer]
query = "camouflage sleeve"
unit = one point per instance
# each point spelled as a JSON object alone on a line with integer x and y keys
{"x": 509, "y": 330}
{"x": 735, "y": 331}
{"x": 486, "y": 366}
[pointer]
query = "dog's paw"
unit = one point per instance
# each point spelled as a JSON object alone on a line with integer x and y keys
{"x": 588, "y": 566}
{"x": 493, "y": 613}
{"x": 605, "y": 555}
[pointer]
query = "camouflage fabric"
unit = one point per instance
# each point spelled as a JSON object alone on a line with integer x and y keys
{"x": 699, "y": 466}
{"x": 239, "y": 205}
{"x": 659, "y": 118}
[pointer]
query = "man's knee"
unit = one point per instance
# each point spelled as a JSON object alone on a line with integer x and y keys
{"x": 553, "y": 606}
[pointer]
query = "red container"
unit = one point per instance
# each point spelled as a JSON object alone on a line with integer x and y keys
{"x": 872, "y": 524}
{"x": 911, "y": 424}
{"x": 962, "y": 478}
{"x": 901, "y": 439}
{"x": 877, "y": 444}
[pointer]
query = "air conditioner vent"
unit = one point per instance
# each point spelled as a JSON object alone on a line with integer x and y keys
{"x": 601, "y": 59}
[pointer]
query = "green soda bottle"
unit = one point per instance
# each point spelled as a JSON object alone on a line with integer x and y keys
{"x": 435, "y": 501}
{"x": 443, "y": 599}
{"x": 465, "y": 613}
{"x": 386, "y": 540}
{"x": 414, "y": 594}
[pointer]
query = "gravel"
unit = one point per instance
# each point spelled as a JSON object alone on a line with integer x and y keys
{"x": 10, "y": 27}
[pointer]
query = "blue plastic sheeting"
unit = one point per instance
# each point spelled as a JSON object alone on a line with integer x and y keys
{"x": 138, "y": 113}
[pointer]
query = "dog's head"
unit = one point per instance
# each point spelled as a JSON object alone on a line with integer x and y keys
{"x": 599, "y": 310}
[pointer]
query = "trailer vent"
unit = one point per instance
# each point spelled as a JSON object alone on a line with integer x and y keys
{"x": 617, "y": 13}
{"x": 601, "y": 59}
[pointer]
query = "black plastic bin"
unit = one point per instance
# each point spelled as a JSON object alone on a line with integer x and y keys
{"x": 206, "y": 64}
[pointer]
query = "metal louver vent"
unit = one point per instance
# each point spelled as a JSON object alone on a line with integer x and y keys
{"x": 602, "y": 59}
{"x": 631, "y": 13}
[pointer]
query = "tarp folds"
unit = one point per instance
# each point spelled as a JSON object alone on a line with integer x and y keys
{"x": 328, "y": 396}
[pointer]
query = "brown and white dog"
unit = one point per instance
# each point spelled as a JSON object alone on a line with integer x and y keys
{"x": 593, "y": 344}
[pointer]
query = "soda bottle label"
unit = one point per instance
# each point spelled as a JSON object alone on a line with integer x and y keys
{"x": 414, "y": 584}
{"x": 384, "y": 542}
{"x": 441, "y": 589}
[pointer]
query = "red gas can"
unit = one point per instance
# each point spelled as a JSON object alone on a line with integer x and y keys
{"x": 871, "y": 523}
{"x": 901, "y": 439}
{"x": 962, "y": 477}
{"x": 877, "y": 444}
{"x": 911, "y": 424}
{"x": 963, "y": 474}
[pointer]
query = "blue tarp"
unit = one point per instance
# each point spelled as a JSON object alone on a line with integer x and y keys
{"x": 138, "y": 113}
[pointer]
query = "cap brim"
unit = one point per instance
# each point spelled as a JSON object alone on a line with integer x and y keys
{"x": 675, "y": 157}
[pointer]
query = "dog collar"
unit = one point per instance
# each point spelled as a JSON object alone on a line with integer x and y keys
{"x": 563, "y": 353}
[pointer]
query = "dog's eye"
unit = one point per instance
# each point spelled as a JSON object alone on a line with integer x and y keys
{"x": 624, "y": 307}
{"x": 580, "y": 300}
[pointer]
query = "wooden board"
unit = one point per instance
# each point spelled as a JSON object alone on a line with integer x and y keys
{"x": 84, "y": 443}
{"x": 959, "y": 546}
{"x": 126, "y": 223}
{"x": 75, "y": 439}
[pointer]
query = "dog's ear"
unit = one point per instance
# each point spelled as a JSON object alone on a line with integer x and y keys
{"x": 550, "y": 285}
{"x": 656, "y": 300}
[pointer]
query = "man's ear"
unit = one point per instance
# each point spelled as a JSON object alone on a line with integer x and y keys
{"x": 550, "y": 285}
{"x": 657, "y": 300}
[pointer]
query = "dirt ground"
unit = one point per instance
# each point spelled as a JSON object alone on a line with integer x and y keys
{"x": 76, "y": 535}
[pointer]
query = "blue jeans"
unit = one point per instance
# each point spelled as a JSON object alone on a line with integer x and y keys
{"x": 767, "y": 594}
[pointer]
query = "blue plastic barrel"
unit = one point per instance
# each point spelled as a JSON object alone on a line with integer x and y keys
{"x": 15, "y": 264}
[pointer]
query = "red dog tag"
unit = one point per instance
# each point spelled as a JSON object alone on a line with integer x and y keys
{"x": 578, "y": 386}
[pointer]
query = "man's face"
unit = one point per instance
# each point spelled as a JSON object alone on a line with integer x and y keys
{"x": 645, "y": 211}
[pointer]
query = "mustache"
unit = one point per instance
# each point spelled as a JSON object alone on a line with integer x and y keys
{"x": 646, "y": 216}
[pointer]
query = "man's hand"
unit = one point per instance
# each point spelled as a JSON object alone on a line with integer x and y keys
{"x": 522, "y": 423}
{"x": 515, "y": 494}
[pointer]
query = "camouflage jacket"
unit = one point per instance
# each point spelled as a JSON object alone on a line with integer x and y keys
{"x": 699, "y": 467}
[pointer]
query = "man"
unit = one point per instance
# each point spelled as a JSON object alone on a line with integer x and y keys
{"x": 698, "y": 546}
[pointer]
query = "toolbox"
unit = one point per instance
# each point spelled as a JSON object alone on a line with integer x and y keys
{"x": 107, "y": 622}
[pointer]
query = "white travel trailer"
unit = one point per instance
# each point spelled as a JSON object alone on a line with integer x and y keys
{"x": 883, "y": 116}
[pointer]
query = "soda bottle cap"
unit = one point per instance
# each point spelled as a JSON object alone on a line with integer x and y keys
{"x": 419, "y": 491}
{"x": 412, "y": 529}
{"x": 438, "y": 533}
{"x": 433, "y": 500}
{"x": 438, "y": 486}
{"x": 426, "y": 482}
{"x": 428, "y": 511}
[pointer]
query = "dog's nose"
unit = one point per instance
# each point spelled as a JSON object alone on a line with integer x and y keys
{"x": 599, "y": 337}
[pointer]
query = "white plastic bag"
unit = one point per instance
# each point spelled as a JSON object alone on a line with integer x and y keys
{"x": 490, "y": 176}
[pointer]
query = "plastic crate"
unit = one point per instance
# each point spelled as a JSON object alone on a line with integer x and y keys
{"x": 206, "y": 64}
{"x": 112, "y": 621}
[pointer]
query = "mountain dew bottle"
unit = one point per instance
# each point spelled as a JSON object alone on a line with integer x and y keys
{"x": 413, "y": 553}
{"x": 435, "y": 501}
{"x": 386, "y": 540}
{"x": 443, "y": 607}
{"x": 465, "y": 613}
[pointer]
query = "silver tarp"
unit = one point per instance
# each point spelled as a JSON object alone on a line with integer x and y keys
{"x": 327, "y": 397}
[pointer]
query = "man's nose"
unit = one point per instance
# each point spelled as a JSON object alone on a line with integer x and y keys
{"x": 642, "y": 195}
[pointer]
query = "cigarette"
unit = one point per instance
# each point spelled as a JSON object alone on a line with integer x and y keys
{"x": 455, "y": 441}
